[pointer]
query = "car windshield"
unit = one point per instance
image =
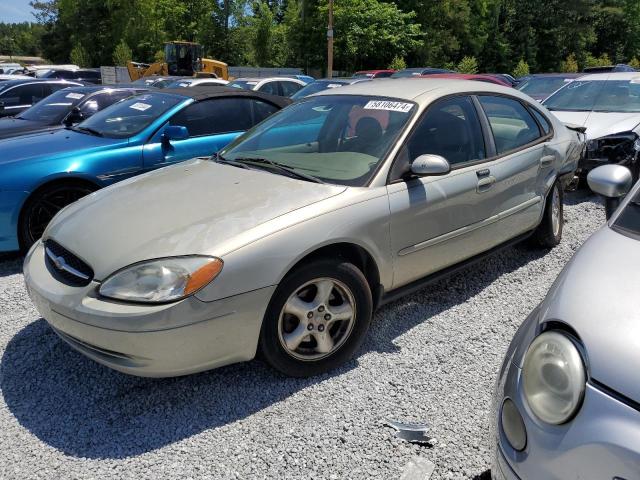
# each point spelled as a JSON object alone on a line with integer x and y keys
{"x": 246, "y": 84}
{"x": 406, "y": 73}
{"x": 180, "y": 84}
{"x": 362, "y": 75}
{"x": 542, "y": 85}
{"x": 129, "y": 117}
{"x": 597, "y": 96}
{"x": 338, "y": 139}
{"x": 55, "y": 107}
{"x": 317, "y": 86}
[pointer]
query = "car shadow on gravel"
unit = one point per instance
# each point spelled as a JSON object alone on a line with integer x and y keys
{"x": 86, "y": 410}
{"x": 10, "y": 264}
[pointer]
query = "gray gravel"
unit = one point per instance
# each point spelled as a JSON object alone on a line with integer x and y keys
{"x": 429, "y": 357}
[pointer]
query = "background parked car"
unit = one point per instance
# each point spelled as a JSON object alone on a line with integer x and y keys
{"x": 567, "y": 395}
{"x": 18, "y": 95}
{"x": 373, "y": 73}
{"x": 197, "y": 82}
{"x": 415, "y": 72}
{"x": 135, "y": 135}
{"x": 302, "y": 227}
{"x": 326, "y": 83}
{"x": 467, "y": 76}
{"x": 621, "y": 67}
{"x": 87, "y": 75}
{"x": 608, "y": 106}
{"x": 281, "y": 86}
{"x": 540, "y": 86}
{"x": 65, "y": 107}
{"x": 158, "y": 81}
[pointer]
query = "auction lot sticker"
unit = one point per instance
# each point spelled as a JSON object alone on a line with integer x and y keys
{"x": 387, "y": 105}
{"x": 75, "y": 96}
{"x": 140, "y": 106}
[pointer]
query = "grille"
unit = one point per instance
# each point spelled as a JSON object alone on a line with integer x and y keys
{"x": 65, "y": 266}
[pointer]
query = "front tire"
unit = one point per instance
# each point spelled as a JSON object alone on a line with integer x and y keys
{"x": 317, "y": 318}
{"x": 549, "y": 232}
{"x": 44, "y": 205}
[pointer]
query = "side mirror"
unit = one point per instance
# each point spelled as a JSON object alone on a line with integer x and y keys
{"x": 75, "y": 116}
{"x": 612, "y": 182}
{"x": 174, "y": 132}
{"x": 429, "y": 164}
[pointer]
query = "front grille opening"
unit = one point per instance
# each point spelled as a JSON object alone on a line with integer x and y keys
{"x": 65, "y": 266}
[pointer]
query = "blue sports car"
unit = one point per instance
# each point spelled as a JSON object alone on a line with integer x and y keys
{"x": 41, "y": 174}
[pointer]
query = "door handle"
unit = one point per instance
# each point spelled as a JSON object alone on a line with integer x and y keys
{"x": 547, "y": 160}
{"x": 485, "y": 183}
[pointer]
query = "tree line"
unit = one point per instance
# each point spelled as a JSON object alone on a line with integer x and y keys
{"x": 467, "y": 35}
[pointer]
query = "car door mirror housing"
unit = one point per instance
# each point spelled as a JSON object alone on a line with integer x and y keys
{"x": 175, "y": 132}
{"x": 612, "y": 182}
{"x": 75, "y": 116}
{"x": 429, "y": 164}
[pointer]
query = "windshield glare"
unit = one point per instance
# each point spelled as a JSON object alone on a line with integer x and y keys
{"x": 315, "y": 87}
{"x": 131, "y": 116}
{"x": 339, "y": 139}
{"x": 53, "y": 108}
{"x": 542, "y": 85}
{"x": 597, "y": 96}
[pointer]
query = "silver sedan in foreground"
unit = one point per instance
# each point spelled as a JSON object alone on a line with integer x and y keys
{"x": 287, "y": 240}
{"x": 567, "y": 401}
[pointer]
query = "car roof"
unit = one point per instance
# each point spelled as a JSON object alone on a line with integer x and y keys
{"x": 218, "y": 91}
{"x": 20, "y": 81}
{"x": 260, "y": 79}
{"x": 99, "y": 88}
{"x": 611, "y": 76}
{"x": 420, "y": 90}
{"x": 547, "y": 75}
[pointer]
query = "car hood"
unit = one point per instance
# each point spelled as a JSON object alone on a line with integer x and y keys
{"x": 597, "y": 295}
{"x": 50, "y": 144}
{"x": 196, "y": 207}
{"x": 12, "y": 127}
{"x": 600, "y": 124}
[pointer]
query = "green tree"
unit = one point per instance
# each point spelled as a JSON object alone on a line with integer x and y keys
{"x": 522, "y": 69}
{"x": 635, "y": 63}
{"x": 79, "y": 56}
{"x": 468, "y": 65}
{"x": 397, "y": 63}
{"x": 570, "y": 65}
{"x": 122, "y": 54}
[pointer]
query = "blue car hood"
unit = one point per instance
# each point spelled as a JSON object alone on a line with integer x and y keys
{"x": 57, "y": 143}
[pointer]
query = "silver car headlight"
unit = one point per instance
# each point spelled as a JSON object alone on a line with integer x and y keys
{"x": 553, "y": 378}
{"x": 161, "y": 280}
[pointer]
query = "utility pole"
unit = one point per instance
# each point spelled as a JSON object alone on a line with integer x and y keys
{"x": 330, "y": 42}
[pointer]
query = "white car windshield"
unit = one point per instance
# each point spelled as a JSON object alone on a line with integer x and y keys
{"x": 597, "y": 96}
{"x": 337, "y": 139}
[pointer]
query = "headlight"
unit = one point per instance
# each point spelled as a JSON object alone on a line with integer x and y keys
{"x": 162, "y": 280}
{"x": 553, "y": 378}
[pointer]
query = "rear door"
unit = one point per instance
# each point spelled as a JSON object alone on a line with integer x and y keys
{"x": 212, "y": 124}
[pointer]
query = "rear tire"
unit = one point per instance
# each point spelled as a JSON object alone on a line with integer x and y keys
{"x": 43, "y": 205}
{"x": 549, "y": 232}
{"x": 316, "y": 319}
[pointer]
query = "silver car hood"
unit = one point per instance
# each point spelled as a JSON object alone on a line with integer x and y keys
{"x": 190, "y": 208}
{"x": 600, "y": 124}
{"x": 598, "y": 295}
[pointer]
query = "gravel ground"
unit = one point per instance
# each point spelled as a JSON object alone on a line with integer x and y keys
{"x": 429, "y": 357}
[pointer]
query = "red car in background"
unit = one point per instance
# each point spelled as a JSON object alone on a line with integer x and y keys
{"x": 373, "y": 73}
{"x": 467, "y": 76}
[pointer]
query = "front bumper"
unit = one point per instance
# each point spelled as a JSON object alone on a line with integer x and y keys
{"x": 601, "y": 442}
{"x": 148, "y": 340}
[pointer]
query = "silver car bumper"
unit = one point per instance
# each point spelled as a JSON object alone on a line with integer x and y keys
{"x": 148, "y": 340}
{"x": 601, "y": 442}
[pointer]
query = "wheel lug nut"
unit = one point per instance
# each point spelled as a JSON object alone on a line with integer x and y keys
{"x": 327, "y": 316}
{"x": 310, "y": 326}
{"x": 310, "y": 314}
{"x": 321, "y": 308}
{"x": 321, "y": 328}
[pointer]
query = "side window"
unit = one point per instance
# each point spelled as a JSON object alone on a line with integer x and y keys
{"x": 511, "y": 123}
{"x": 544, "y": 123}
{"x": 216, "y": 116}
{"x": 289, "y": 88}
{"x": 23, "y": 95}
{"x": 270, "y": 87}
{"x": 262, "y": 110}
{"x": 450, "y": 128}
{"x": 54, "y": 87}
{"x": 65, "y": 74}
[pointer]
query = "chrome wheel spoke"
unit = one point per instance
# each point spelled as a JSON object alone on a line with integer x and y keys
{"x": 297, "y": 307}
{"x": 324, "y": 342}
{"x": 295, "y": 338}
{"x": 341, "y": 312}
{"x": 325, "y": 287}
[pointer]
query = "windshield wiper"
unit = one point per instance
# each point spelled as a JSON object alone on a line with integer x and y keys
{"x": 90, "y": 130}
{"x": 216, "y": 157}
{"x": 277, "y": 166}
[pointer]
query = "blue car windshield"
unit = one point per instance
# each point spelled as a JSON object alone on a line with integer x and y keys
{"x": 338, "y": 139}
{"x": 317, "y": 86}
{"x": 129, "y": 117}
{"x": 52, "y": 109}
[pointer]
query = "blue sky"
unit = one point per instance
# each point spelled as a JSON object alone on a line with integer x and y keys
{"x": 12, "y": 11}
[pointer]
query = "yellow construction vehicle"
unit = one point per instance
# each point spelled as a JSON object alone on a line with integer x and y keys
{"x": 182, "y": 59}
